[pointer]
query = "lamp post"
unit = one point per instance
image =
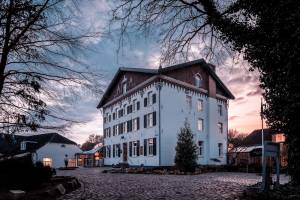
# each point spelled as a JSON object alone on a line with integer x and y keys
{"x": 263, "y": 160}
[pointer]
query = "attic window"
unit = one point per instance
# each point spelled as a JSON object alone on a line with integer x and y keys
{"x": 198, "y": 80}
{"x": 124, "y": 87}
{"x": 63, "y": 145}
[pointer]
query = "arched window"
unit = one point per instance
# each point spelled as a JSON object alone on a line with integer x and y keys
{"x": 198, "y": 80}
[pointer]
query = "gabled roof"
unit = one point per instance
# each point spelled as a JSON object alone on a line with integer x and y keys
{"x": 201, "y": 62}
{"x": 245, "y": 149}
{"x": 254, "y": 138}
{"x": 10, "y": 144}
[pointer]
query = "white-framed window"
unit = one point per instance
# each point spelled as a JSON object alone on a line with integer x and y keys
{"x": 124, "y": 87}
{"x": 220, "y": 127}
{"x": 23, "y": 146}
{"x": 200, "y": 124}
{"x": 189, "y": 101}
{"x": 220, "y": 149}
{"x": 200, "y": 105}
{"x": 134, "y": 148}
{"x": 198, "y": 80}
{"x": 135, "y": 125}
{"x": 149, "y": 97}
{"x": 150, "y": 120}
{"x": 117, "y": 130}
{"x": 47, "y": 162}
{"x": 220, "y": 110}
{"x": 201, "y": 148}
{"x": 134, "y": 108}
{"x": 150, "y": 146}
{"x": 108, "y": 151}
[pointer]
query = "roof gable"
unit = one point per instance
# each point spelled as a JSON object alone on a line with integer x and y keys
{"x": 145, "y": 74}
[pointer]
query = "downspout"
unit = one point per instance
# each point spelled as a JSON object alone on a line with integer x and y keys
{"x": 159, "y": 123}
{"x": 159, "y": 86}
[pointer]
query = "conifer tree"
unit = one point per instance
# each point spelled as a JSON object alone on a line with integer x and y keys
{"x": 186, "y": 150}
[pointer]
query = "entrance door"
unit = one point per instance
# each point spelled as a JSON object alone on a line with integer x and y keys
{"x": 124, "y": 152}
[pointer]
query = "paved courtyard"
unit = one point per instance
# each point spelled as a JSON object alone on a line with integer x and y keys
{"x": 98, "y": 185}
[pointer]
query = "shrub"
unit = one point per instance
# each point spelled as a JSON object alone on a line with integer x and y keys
{"x": 21, "y": 173}
{"x": 186, "y": 150}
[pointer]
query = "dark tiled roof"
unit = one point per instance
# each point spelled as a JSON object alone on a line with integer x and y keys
{"x": 10, "y": 144}
{"x": 202, "y": 62}
{"x": 254, "y": 138}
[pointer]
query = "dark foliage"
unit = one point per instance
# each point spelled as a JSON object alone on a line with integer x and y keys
{"x": 91, "y": 142}
{"x": 265, "y": 32}
{"x": 186, "y": 150}
{"x": 22, "y": 174}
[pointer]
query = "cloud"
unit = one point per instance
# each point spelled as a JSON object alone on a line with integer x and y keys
{"x": 239, "y": 99}
{"x": 233, "y": 117}
{"x": 91, "y": 16}
{"x": 256, "y": 92}
{"x": 80, "y": 132}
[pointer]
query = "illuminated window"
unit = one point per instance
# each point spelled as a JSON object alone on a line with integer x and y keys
{"x": 47, "y": 162}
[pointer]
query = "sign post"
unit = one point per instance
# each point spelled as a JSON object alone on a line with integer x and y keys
{"x": 263, "y": 164}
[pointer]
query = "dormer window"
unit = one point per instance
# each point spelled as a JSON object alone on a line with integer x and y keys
{"x": 198, "y": 80}
{"x": 124, "y": 87}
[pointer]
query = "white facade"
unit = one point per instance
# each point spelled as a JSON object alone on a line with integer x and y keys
{"x": 174, "y": 104}
{"x": 54, "y": 154}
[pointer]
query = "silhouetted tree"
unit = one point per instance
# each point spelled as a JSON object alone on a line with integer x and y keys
{"x": 186, "y": 150}
{"x": 38, "y": 45}
{"x": 92, "y": 141}
{"x": 235, "y": 138}
{"x": 265, "y": 32}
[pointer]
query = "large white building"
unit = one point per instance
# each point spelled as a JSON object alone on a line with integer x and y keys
{"x": 144, "y": 110}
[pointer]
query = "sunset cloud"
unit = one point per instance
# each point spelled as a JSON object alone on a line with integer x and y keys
{"x": 145, "y": 52}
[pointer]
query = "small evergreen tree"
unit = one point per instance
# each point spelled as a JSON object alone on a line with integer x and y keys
{"x": 186, "y": 150}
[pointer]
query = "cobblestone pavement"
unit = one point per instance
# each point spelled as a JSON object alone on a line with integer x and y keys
{"x": 98, "y": 185}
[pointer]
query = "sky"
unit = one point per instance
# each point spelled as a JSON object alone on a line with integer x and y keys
{"x": 144, "y": 52}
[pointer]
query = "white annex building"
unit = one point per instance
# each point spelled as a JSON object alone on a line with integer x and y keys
{"x": 144, "y": 110}
{"x": 50, "y": 148}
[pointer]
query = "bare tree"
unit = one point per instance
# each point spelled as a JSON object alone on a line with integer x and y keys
{"x": 264, "y": 32}
{"x": 235, "y": 138}
{"x": 185, "y": 27}
{"x": 38, "y": 63}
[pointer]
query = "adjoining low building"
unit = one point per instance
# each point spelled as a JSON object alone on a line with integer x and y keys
{"x": 91, "y": 158}
{"x": 144, "y": 109}
{"x": 51, "y": 148}
{"x": 249, "y": 154}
